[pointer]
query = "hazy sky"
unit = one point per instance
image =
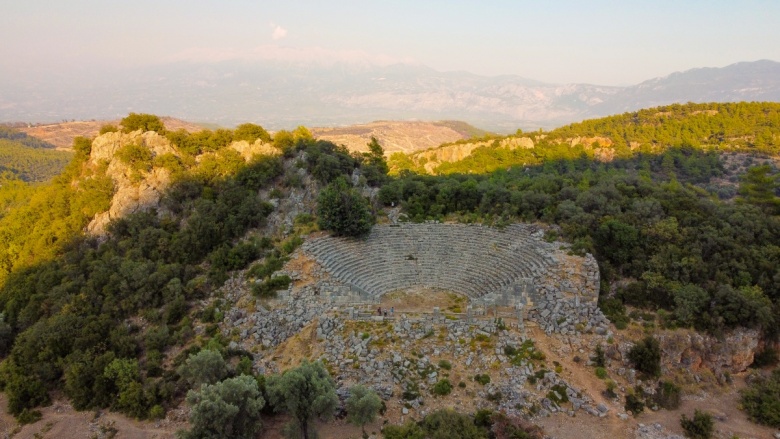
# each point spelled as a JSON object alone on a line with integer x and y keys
{"x": 602, "y": 42}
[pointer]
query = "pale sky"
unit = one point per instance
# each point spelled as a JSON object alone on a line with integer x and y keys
{"x": 591, "y": 41}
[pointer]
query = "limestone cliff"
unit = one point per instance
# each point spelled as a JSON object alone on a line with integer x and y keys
{"x": 129, "y": 196}
{"x": 133, "y": 194}
{"x": 458, "y": 151}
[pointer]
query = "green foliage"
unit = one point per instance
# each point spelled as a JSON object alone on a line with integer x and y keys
{"x": 270, "y": 286}
{"x": 251, "y": 132}
{"x": 374, "y": 166}
{"x": 227, "y": 409}
{"x": 205, "y": 367}
{"x": 143, "y": 122}
{"x": 362, "y": 406}
{"x": 765, "y": 357}
{"x": 761, "y": 400}
{"x": 448, "y": 424}
{"x": 668, "y": 395}
{"x": 759, "y": 187}
{"x": 701, "y": 426}
{"x": 667, "y": 234}
{"x": 108, "y": 128}
{"x": 442, "y": 387}
{"x": 444, "y": 364}
{"x": 410, "y": 430}
{"x": 482, "y": 378}
{"x": 136, "y": 157}
{"x": 31, "y": 164}
{"x": 327, "y": 161}
{"x": 599, "y": 359}
{"x": 306, "y": 393}
{"x": 739, "y": 126}
{"x": 601, "y": 373}
{"x": 342, "y": 210}
{"x": 634, "y": 403}
{"x": 645, "y": 356}
{"x": 18, "y": 137}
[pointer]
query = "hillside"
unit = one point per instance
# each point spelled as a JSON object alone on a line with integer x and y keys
{"x": 398, "y": 136}
{"x": 613, "y": 292}
{"x": 748, "y": 127}
{"x": 28, "y": 158}
{"x": 61, "y": 134}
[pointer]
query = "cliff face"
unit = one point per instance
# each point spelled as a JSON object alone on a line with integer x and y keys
{"x": 129, "y": 196}
{"x": 133, "y": 194}
{"x": 693, "y": 351}
{"x": 456, "y": 152}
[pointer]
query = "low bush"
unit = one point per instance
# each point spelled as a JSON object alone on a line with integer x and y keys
{"x": 442, "y": 387}
{"x": 482, "y": 378}
{"x": 700, "y": 426}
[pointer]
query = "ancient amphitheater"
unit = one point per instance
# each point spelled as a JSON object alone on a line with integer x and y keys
{"x": 509, "y": 267}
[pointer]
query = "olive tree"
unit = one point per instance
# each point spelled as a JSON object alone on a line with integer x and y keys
{"x": 363, "y": 405}
{"x": 306, "y": 393}
{"x": 227, "y": 409}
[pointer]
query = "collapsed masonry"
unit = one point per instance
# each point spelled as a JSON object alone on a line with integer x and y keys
{"x": 509, "y": 267}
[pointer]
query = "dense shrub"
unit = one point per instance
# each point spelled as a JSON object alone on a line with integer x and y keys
{"x": 668, "y": 395}
{"x": 761, "y": 400}
{"x": 482, "y": 379}
{"x": 442, "y": 387}
{"x": 143, "y": 122}
{"x": 645, "y": 357}
{"x": 700, "y": 426}
{"x": 342, "y": 210}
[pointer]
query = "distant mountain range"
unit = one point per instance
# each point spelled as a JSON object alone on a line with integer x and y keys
{"x": 283, "y": 95}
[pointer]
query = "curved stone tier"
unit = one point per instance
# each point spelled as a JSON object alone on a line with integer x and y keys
{"x": 473, "y": 260}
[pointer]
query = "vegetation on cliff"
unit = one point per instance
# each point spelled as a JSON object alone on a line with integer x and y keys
{"x": 750, "y": 127}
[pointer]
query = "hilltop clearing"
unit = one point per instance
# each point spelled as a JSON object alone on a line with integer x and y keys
{"x": 398, "y": 136}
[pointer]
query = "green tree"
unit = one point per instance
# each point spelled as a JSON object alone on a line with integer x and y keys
{"x": 143, "y": 122}
{"x": 700, "y": 426}
{"x": 363, "y": 405}
{"x": 761, "y": 400}
{"x": 205, "y": 367}
{"x": 758, "y": 187}
{"x": 645, "y": 356}
{"x": 374, "y": 166}
{"x": 225, "y": 410}
{"x": 342, "y": 210}
{"x": 251, "y": 132}
{"x": 306, "y": 392}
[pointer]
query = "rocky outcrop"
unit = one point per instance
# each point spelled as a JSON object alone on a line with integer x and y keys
{"x": 459, "y": 151}
{"x": 249, "y": 150}
{"x": 695, "y": 351}
{"x": 133, "y": 194}
{"x": 130, "y": 195}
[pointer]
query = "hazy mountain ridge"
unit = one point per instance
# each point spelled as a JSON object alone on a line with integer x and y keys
{"x": 283, "y": 95}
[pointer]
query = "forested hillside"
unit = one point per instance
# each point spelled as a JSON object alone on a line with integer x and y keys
{"x": 749, "y": 127}
{"x": 677, "y": 234}
{"x": 28, "y": 158}
{"x": 62, "y": 293}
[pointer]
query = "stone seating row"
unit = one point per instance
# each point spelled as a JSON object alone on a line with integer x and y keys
{"x": 391, "y": 258}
